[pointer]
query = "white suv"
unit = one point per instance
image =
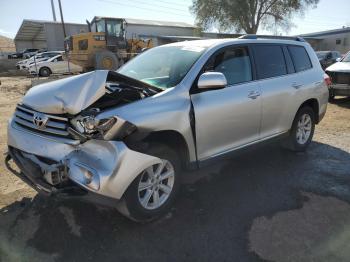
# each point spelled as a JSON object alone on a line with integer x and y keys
{"x": 126, "y": 136}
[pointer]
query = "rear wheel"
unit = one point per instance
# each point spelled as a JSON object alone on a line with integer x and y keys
{"x": 152, "y": 193}
{"x": 302, "y": 130}
{"x": 44, "y": 71}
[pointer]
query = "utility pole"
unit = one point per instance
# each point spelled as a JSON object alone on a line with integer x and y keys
{"x": 53, "y": 11}
{"x": 62, "y": 21}
{"x": 64, "y": 34}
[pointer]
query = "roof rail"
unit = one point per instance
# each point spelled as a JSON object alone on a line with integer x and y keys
{"x": 251, "y": 36}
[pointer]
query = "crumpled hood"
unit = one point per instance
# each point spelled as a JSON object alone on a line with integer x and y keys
{"x": 339, "y": 67}
{"x": 70, "y": 95}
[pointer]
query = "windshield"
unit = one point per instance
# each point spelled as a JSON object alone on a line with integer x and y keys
{"x": 346, "y": 58}
{"x": 321, "y": 54}
{"x": 163, "y": 66}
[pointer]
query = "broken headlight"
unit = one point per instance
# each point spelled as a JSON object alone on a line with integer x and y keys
{"x": 89, "y": 125}
{"x": 106, "y": 128}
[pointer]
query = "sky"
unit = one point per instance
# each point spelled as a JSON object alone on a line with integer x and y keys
{"x": 329, "y": 14}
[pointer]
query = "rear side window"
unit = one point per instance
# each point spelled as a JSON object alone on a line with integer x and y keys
{"x": 300, "y": 58}
{"x": 269, "y": 61}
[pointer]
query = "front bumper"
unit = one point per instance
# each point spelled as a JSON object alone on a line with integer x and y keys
{"x": 339, "y": 90}
{"x": 105, "y": 168}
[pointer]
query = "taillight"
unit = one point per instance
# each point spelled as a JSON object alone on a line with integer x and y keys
{"x": 327, "y": 79}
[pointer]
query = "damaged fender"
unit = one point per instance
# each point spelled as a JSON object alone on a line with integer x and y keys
{"x": 107, "y": 167}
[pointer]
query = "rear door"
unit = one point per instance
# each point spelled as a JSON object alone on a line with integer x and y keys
{"x": 273, "y": 65}
{"x": 283, "y": 75}
{"x": 227, "y": 118}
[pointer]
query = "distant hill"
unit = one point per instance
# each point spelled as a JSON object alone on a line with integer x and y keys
{"x": 7, "y": 44}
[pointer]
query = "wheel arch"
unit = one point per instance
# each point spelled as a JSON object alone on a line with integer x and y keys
{"x": 171, "y": 138}
{"x": 314, "y": 104}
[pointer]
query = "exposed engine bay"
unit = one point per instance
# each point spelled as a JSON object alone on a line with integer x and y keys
{"x": 119, "y": 90}
{"x": 79, "y": 118}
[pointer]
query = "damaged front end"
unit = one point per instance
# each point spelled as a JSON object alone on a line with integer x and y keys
{"x": 62, "y": 145}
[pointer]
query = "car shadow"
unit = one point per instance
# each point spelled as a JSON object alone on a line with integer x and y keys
{"x": 341, "y": 101}
{"x": 210, "y": 221}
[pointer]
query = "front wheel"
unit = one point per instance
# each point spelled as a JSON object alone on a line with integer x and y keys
{"x": 302, "y": 130}
{"x": 153, "y": 192}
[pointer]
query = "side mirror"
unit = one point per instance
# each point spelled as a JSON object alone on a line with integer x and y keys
{"x": 338, "y": 59}
{"x": 212, "y": 80}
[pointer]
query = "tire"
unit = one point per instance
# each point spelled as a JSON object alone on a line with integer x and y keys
{"x": 45, "y": 72}
{"x": 131, "y": 203}
{"x": 331, "y": 96}
{"x": 106, "y": 60}
{"x": 299, "y": 139}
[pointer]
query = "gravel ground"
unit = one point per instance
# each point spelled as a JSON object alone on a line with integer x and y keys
{"x": 264, "y": 205}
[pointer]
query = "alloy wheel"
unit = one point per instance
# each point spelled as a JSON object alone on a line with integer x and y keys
{"x": 304, "y": 129}
{"x": 156, "y": 185}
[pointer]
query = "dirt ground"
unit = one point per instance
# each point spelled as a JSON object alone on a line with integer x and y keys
{"x": 268, "y": 205}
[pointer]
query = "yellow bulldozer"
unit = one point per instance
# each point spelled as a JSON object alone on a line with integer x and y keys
{"x": 105, "y": 46}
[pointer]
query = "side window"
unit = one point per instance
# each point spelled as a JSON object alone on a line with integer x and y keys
{"x": 234, "y": 63}
{"x": 269, "y": 61}
{"x": 300, "y": 58}
{"x": 59, "y": 58}
{"x": 83, "y": 44}
{"x": 289, "y": 62}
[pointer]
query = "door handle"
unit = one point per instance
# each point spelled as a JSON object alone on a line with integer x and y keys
{"x": 253, "y": 94}
{"x": 296, "y": 85}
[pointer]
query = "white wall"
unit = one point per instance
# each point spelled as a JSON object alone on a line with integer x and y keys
{"x": 23, "y": 44}
{"x": 54, "y": 34}
{"x": 329, "y": 43}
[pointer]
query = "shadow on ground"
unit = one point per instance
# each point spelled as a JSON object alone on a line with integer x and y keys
{"x": 342, "y": 102}
{"x": 257, "y": 206}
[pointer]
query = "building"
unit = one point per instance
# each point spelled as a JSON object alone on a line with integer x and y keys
{"x": 49, "y": 35}
{"x": 337, "y": 39}
{"x": 45, "y": 34}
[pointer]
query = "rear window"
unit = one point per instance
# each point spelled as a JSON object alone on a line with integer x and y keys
{"x": 269, "y": 61}
{"x": 300, "y": 58}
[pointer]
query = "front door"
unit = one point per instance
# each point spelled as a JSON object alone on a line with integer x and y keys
{"x": 227, "y": 118}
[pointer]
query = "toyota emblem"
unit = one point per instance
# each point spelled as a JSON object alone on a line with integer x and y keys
{"x": 40, "y": 120}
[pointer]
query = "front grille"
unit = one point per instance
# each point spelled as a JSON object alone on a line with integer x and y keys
{"x": 55, "y": 125}
{"x": 340, "y": 78}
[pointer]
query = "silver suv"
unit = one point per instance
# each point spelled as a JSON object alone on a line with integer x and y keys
{"x": 125, "y": 137}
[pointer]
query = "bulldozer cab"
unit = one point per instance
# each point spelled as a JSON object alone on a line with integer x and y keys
{"x": 114, "y": 29}
{"x": 105, "y": 45}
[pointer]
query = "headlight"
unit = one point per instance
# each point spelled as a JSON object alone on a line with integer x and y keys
{"x": 106, "y": 128}
{"x": 89, "y": 125}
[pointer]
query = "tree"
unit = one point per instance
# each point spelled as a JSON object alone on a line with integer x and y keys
{"x": 248, "y": 15}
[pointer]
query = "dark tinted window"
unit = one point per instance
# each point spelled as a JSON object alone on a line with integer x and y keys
{"x": 300, "y": 58}
{"x": 289, "y": 62}
{"x": 234, "y": 64}
{"x": 83, "y": 44}
{"x": 59, "y": 58}
{"x": 269, "y": 61}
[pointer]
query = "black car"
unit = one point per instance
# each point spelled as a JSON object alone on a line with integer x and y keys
{"x": 328, "y": 58}
{"x": 30, "y": 51}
